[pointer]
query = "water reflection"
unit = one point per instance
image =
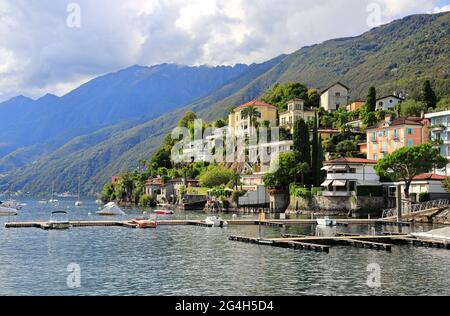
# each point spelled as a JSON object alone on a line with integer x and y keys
{"x": 190, "y": 260}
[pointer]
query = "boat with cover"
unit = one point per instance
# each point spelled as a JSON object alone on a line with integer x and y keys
{"x": 111, "y": 209}
{"x": 59, "y": 220}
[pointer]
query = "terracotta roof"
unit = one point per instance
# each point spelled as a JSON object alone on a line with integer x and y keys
{"x": 350, "y": 160}
{"x": 412, "y": 120}
{"x": 155, "y": 181}
{"x": 429, "y": 176}
{"x": 256, "y": 103}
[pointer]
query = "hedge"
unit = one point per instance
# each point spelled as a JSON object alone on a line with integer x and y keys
{"x": 369, "y": 190}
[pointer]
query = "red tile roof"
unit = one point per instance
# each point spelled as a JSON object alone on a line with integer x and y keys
{"x": 350, "y": 161}
{"x": 257, "y": 103}
{"x": 430, "y": 176}
{"x": 412, "y": 120}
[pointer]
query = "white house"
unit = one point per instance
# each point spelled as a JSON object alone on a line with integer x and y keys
{"x": 429, "y": 183}
{"x": 440, "y": 131}
{"x": 335, "y": 97}
{"x": 345, "y": 174}
{"x": 388, "y": 102}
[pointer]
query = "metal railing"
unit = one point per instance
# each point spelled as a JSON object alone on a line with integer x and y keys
{"x": 409, "y": 208}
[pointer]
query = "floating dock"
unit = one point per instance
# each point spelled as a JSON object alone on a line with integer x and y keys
{"x": 323, "y": 244}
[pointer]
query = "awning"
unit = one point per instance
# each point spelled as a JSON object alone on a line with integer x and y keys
{"x": 327, "y": 168}
{"x": 327, "y": 183}
{"x": 339, "y": 183}
{"x": 340, "y": 167}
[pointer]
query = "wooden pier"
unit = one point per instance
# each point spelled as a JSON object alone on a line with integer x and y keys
{"x": 268, "y": 223}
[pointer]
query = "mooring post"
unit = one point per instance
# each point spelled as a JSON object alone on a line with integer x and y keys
{"x": 399, "y": 203}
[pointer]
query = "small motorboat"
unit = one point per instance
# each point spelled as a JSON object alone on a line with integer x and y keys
{"x": 11, "y": 204}
{"x": 78, "y": 203}
{"x": 59, "y": 221}
{"x": 164, "y": 212}
{"x": 216, "y": 221}
{"x": 144, "y": 223}
{"x": 7, "y": 211}
{"x": 326, "y": 222}
{"x": 111, "y": 209}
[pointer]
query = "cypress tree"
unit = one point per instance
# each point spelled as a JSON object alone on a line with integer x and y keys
{"x": 428, "y": 95}
{"x": 372, "y": 100}
{"x": 315, "y": 170}
{"x": 302, "y": 145}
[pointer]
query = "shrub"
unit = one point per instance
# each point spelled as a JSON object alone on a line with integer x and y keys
{"x": 298, "y": 191}
{"x": 424, "y": 197}
{"x": 216, "y": 177}
{"x": 316, "y": 191}
{"x": 147, "y": 201}
{"x": 369, "y": 190}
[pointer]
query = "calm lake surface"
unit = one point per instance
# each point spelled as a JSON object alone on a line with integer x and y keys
{"x": 201, "y": 261}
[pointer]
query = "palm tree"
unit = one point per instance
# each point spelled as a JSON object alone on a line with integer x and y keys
{"x": 252, "y": 113}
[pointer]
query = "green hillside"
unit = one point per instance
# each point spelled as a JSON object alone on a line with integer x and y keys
{"x": 395, "y": 57}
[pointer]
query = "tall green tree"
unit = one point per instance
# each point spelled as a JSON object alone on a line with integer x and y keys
{"x": 428, "y": 95}
{"x": 284, "y": 173}
{"x": 302, "y": 146}
{"x": 280, "y": 94}
{"x": 316, "y": 156}
{"x": 371, "y": 103}
{"x": 406, "y": 163}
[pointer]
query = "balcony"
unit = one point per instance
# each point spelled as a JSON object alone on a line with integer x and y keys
{"x": 438, "y": 128}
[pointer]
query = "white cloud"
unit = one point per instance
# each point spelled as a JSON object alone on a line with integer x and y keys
{"x": 39, "y": 53}
{"x": 445, "y": 8}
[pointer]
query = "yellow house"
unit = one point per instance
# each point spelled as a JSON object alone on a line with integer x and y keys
{"x": 327, "y": 133}
{"x": 239, "y": 123}
{"x": 296, "y": 110}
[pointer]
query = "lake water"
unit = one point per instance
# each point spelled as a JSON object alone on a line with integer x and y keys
{"x": 201, "y": 261}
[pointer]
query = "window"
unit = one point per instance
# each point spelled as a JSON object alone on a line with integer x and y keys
{"x": 410, "y": 131}
{"x": 374, "y": 157}
{"x": 384, "y": 147}
{"x": 395, "y": 133}
{"x": 338, "y": 94}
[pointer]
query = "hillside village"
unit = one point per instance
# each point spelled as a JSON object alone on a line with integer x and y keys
{"x": 336, "y": 155}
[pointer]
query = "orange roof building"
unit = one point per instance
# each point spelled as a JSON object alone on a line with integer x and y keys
{"x": 240, "y": 123}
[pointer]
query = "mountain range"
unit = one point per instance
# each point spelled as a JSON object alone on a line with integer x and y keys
{"x": 110, "y": 123}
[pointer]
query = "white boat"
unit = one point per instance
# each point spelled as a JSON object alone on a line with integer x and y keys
{"x": 111, "y": 209}
{"x": 326, "y": 222}
{"x": 43, "y": 202}
{"x": 59, "y": 220}
{"x": 53, "y": 200}
{"x": 11, "y": 204}
{"x": 6, "y": 211}
{"x": 216, "y": 221}
{"x": 78, "y": 202}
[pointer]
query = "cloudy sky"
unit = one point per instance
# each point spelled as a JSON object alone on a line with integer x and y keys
{"x": 53, "y": 46}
